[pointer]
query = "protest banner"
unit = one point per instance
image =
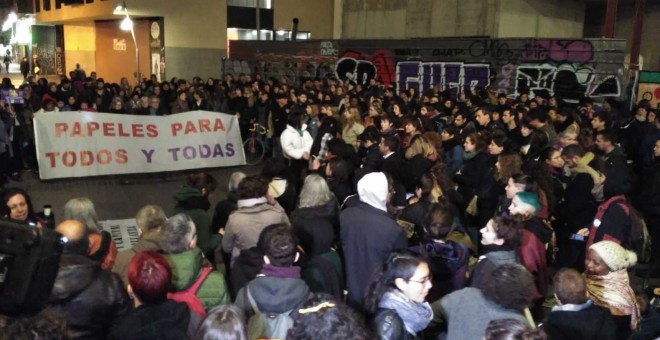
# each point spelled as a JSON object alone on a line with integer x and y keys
{"x": 80, "y": 144}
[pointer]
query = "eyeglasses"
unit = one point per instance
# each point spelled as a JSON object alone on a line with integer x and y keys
{"x": 422, "y": 281}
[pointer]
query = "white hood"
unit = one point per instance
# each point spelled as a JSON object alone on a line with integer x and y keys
{"x": 372, "y": 189}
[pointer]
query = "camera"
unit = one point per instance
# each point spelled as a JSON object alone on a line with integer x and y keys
{"x": 29, "y": 261}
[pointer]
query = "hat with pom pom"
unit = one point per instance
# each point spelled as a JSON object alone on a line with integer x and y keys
{"x": 615, "y": 256}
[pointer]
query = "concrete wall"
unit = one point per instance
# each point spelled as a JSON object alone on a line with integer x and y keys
{"x": 650, "y": 48}
{"x": 400, "y": 19}
{"x": 316, "y": 16}
{"x": 113, "y": 64}
{"x": 195, "y": 31}
{"x": 541, "y": 18}
{"x": 80, "y": 45}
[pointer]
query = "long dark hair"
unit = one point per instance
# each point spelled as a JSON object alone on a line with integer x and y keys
{"x": 398, "y": 265}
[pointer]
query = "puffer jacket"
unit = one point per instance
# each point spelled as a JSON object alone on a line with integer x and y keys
{"x": 295, "y": 143}
{"x": 186, "y": 268}
{"x": 92, "y": 299}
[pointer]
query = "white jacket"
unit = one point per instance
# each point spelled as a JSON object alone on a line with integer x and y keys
{"x": 293, "y": 144}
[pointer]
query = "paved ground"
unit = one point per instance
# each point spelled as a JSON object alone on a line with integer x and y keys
{"x": 120, "y": 197}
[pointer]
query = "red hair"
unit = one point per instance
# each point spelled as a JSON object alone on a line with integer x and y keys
{"x": 149, "y": 275}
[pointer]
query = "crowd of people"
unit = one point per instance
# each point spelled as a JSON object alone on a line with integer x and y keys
{"x": 377, "y": 214}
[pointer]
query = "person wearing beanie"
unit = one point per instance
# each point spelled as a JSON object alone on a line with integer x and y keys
{"x": 368, "y": 234}
{"x": 608, "y": 284}
{"x": 535, "y": 235}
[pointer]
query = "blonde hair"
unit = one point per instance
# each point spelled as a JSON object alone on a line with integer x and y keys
{"x": 419, "y": 145}
{"x": 353, "y": 118}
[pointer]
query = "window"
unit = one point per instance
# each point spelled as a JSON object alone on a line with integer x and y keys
{"x": 266, "y": 4}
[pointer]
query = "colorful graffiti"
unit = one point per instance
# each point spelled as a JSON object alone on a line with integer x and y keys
{"x": 451, "y": 76}
{"x": 568, "y": 68}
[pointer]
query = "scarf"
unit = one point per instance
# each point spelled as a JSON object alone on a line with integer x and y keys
{"x": 251, "y": 202}
{"x": 583, "y": 167}
{"x": 415, "y": 315}
{"x": 292, "y": 272}
{"x": 613, "y": 291}
{"x": 469, "y": 155}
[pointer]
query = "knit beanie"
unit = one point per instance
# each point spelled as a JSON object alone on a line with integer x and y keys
{"x": 530, "y": 198}
{"x": 615, "y": 256}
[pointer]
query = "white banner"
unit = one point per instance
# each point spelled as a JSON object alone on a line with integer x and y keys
{"x": 79, "y": 144}
{"x": 124, "y": 232}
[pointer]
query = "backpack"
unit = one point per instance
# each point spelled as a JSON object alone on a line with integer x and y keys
{"x": 188, "y": 296}
{"x": 639, "y": 240}
{"x": 266, "y": 325}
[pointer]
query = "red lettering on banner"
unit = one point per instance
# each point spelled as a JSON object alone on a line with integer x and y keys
{"x": 204, "y": 125}
{"x": 122, "y": 133}
{"x": 92, "y": 127}
{"x": 60, "y": 128}
{"x": 69, "y": 159}
{"x": 77, "y": 130}
{"x": 121, "y": 156}
{"x": 201, "y": 125}
{"x": 176, "y": 127}
{"x": 152, "y": 131}
{"x": 190, "y": 127}
{"x": 51, "y": 157}
{"x": 218, "y": 125}
{"x": 109, "y": 129}
{"x": 138, "y": 130}
{"x": 86, "y": 158}
{"x": 107, "y": 159}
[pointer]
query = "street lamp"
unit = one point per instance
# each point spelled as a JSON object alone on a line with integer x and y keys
{"x": 127, "y": 25}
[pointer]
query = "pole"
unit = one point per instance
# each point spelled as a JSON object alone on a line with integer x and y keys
{"x": 258, "y": 21}
{"x": 137, "y": 52}
{"x": 638, "y": 22}
{"x": 610, "y": 18}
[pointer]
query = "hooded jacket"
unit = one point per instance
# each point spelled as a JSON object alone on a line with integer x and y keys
{"x": 274, "y": 294}
{"x": 91, "y": 299}
{"x": 369, "y": 234}
{"x": 190, "y": 201}
{"x": 489, "y": 262}
{"x": 186, "y": 268}
{"x": 531, "y": 252}
{"x": 148, "y": 241}
{"x": 245, "y": 224}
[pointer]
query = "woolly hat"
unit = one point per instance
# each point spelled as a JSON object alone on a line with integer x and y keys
{"x": 531, "y": 199}
{"x": 615, "y": 256}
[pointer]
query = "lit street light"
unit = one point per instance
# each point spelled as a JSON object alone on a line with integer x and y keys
{"x": 127, "y": 25}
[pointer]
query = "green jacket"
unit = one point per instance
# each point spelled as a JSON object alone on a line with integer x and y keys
{"x": 186, "y": 268}
{"x": 190, "y": 201}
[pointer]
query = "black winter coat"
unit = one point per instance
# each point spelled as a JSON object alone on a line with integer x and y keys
{"x": 92, "y": 299}
{"x": 471, "y": 176}
{"x": 389, "y": 326}
{"x": 162, "y": 320}
{"x": 592, "y": 323}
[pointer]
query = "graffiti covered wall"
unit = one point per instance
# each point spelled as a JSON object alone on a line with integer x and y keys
{"x": 568, "y": 68}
